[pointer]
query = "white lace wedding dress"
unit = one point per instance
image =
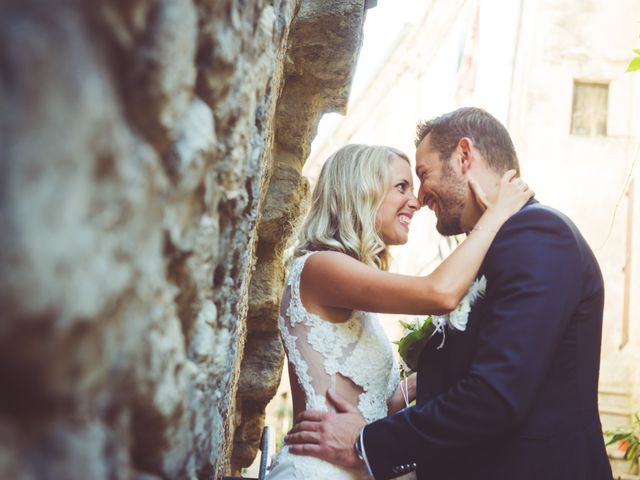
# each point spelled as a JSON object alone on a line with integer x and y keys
{"x": 355, "y": 357}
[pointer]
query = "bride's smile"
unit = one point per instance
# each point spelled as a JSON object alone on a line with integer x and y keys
{"x": 399, "y": 205}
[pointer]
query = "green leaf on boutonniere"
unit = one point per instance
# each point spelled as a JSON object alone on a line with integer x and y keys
{"x": 416, "y": 336}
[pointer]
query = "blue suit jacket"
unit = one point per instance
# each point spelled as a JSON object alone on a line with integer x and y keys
{"x": 515, "y": 396}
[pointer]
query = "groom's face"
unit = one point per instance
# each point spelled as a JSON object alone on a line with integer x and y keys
{"x": 442, "y": 187}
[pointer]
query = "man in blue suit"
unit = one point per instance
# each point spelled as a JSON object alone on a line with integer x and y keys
{"x": 514, "y": 396}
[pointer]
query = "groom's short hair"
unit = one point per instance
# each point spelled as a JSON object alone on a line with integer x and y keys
{"x": 489, "y": 136}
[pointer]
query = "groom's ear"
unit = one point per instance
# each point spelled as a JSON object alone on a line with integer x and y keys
{"x": 465, "y": 152}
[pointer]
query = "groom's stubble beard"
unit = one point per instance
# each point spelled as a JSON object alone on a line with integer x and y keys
{"x": 452, "y": 202}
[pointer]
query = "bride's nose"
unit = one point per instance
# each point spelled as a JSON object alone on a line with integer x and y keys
{"x": 412, "y": 202}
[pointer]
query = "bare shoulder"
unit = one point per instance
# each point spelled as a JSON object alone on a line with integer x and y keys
{"x": 331, "y": 274}
{"x": 326, "y": 264}
{"x": 324, "y": 290}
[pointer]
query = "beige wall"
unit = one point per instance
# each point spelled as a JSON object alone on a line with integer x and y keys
{"x": 586, "y": 177}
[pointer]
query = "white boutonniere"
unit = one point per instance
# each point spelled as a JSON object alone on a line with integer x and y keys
{"x": 457, "y": 318}
{"x": 418, "y": 333}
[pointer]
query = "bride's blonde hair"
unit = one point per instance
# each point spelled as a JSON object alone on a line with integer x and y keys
{"x": 351, "y": 187}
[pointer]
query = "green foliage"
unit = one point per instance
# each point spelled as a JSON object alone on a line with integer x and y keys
{"x": 416, "y": 336}
{"x": 634, "y": 65}
{"x": 628, "y": 440}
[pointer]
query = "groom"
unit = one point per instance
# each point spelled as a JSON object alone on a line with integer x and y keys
{"x": 514, "y": 397}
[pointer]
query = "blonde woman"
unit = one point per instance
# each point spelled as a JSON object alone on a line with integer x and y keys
{"x": 364, "y": 202}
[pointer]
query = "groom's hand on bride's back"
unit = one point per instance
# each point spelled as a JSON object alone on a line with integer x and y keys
{"x": 326, "y": 435}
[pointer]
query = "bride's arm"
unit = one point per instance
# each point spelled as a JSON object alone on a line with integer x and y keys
{"x": 334, "y": 279}
{"x": 397, "y": 401}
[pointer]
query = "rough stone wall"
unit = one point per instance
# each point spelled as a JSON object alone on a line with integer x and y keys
{"x": 324, "y": 43}
{"x": 138, "y": 139}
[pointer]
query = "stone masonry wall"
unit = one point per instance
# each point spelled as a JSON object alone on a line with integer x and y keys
{"x": 150, "y": 157}
{"x": 324, "y": 43}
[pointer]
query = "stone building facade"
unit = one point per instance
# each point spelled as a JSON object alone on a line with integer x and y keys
{"x": 150, "y": 159}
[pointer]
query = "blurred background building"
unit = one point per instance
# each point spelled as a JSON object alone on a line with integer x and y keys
{"x": 554, "y": 73}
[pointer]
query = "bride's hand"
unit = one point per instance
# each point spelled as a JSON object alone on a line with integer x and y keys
{"x": 512, "y": 195}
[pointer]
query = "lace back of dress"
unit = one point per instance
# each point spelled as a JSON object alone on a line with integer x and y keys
{"x": 317, "y": 348}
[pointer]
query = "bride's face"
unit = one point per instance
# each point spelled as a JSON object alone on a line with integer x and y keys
{"x": 398, "y": 207}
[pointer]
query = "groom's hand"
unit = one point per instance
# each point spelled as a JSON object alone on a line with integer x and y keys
{"x": 329, "y": 436}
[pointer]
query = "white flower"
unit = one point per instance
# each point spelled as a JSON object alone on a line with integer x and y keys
{"x": 457, "y": 319}
{"x": 418, "y": 331}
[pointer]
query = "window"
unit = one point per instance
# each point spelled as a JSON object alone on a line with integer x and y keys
{"x": 590, "y": 105}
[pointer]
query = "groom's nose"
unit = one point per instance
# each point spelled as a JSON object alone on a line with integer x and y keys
{"x": 421, "y": 195}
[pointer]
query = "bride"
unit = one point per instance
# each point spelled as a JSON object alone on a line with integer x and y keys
{"x": 363, "y": 202}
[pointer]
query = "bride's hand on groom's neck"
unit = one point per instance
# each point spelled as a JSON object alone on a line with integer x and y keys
{"x": 508, "y": 197}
